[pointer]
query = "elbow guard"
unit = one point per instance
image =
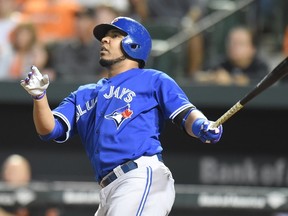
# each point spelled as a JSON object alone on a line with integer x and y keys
{"x": 181, "y": 118}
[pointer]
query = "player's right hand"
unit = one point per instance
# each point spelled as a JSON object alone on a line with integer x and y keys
{"x": 35, "y": 83}
{"x": 202, "y": 128}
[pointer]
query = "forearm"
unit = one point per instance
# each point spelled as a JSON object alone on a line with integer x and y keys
{"x": 43, "y": 117}
{"x": 195, "y": 114}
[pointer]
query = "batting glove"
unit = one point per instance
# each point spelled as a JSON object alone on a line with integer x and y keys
{"x": 35, "y": 83}
{"x": 202, "y": 128}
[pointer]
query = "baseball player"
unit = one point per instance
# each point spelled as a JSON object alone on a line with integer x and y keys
{"x": 119, "y": 120}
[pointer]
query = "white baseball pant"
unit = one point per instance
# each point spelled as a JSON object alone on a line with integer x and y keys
{"x": 145, "y": 191}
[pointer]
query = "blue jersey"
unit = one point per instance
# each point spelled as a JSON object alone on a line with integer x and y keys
{"x": 120, "y": 118}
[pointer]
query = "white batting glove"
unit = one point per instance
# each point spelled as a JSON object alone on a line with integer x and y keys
{"x": 35, "y": 83}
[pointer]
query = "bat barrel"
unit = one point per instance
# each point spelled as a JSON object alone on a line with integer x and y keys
{"x": 276, "y": 74}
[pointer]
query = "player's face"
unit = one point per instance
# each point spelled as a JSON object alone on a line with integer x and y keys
{"x": 111, "y": 45}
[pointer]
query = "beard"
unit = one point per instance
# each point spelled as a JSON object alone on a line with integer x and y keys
{"x": 108, "y": 63}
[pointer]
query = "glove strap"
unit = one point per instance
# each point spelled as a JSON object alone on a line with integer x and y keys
{"x": 38, "y": 97}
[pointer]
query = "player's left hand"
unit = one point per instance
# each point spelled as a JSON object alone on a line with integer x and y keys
{"x": 35, "y": 83}
{"x": 202, "y": 128}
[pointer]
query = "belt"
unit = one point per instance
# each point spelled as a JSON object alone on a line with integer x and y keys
{"x": 124, "y": 168}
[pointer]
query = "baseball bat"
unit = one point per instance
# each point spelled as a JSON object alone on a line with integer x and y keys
{"x": 276, "y": 74}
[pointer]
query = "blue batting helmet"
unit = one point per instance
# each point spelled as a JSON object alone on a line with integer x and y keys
{"x": 137, "y": 41}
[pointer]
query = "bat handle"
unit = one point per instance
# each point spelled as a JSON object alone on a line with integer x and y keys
{"x": 234, "y": 109}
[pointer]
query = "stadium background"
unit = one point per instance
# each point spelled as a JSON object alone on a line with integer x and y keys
{"x": 245, "y": 174}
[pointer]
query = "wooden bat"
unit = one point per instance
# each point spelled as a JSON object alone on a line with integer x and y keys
{"x": 276, "y": 74}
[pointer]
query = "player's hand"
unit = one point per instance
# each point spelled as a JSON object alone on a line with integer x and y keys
{"x": 202, "y": 128}
{"x": 35, "y": 83}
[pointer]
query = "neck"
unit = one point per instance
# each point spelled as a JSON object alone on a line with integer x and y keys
{"x": 121, "y": 67}
{"x": 118, "y": 69}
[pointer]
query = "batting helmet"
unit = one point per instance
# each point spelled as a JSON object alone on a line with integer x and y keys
{"x": 137, "y": 41}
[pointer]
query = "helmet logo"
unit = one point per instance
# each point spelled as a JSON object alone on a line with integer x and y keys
{"x": 115, "y": 20}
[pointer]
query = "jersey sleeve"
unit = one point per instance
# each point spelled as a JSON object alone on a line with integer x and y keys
{"x": 170, "y": 96}
{"x": 66, "y": 113}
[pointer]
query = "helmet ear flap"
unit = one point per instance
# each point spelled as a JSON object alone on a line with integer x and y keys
{"x": 131, "y": 50}
{"x": 130, "y": 45}
{"x": 134, "y": 50}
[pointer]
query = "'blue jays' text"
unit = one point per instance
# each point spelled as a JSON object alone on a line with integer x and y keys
{"x": 120, "y": 93}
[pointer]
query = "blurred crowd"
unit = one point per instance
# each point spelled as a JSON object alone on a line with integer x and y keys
{"x": 16, "y": 173}
{"x": 56, "y": 36}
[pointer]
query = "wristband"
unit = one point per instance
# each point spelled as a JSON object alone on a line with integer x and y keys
{"x": 185, "y": 117}
{"x": 38, "y": 97}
